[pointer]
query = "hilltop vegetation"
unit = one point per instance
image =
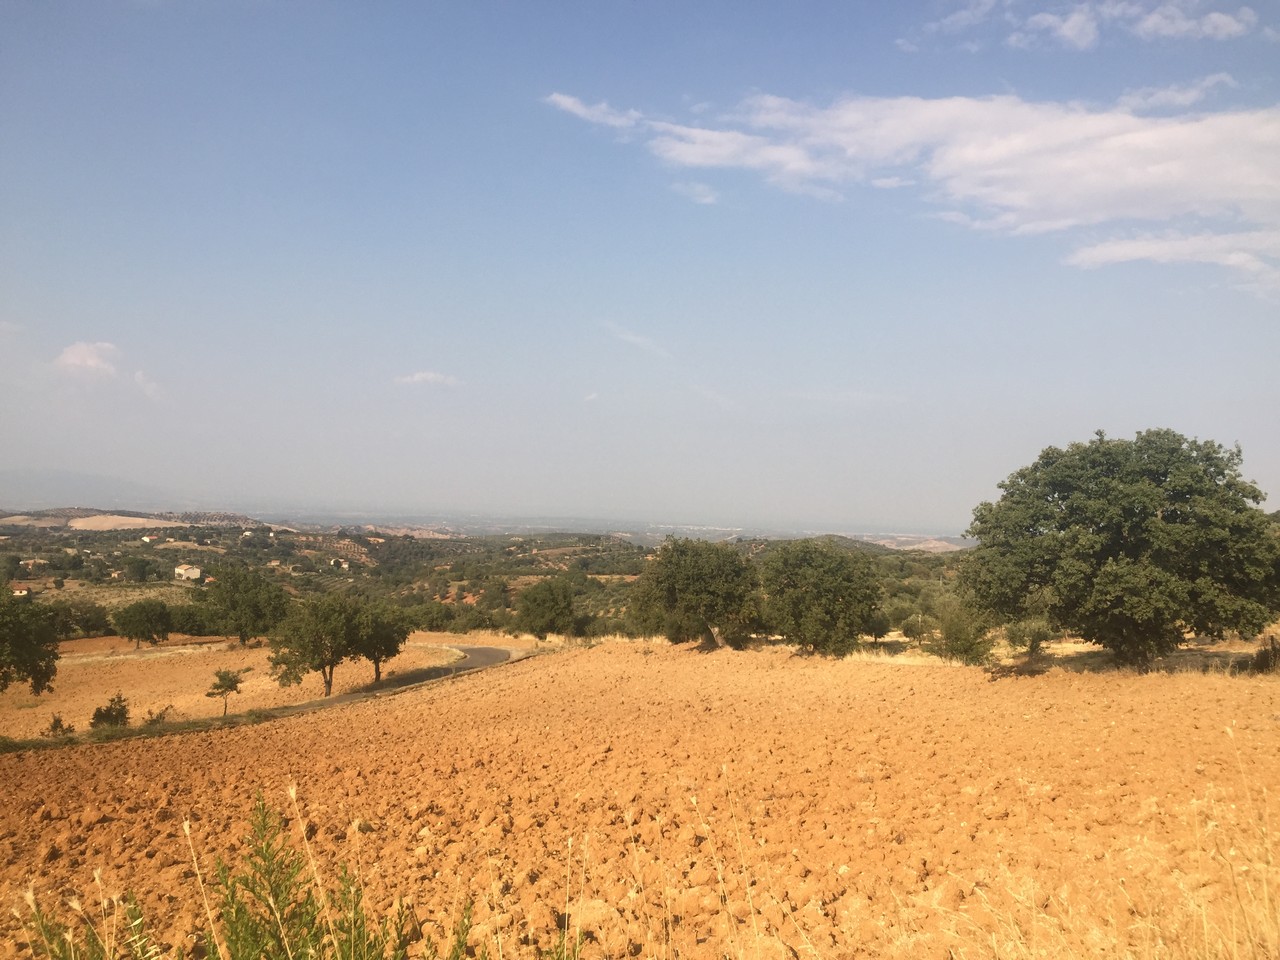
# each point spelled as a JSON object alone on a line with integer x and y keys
{"x": 1133, "y": 545}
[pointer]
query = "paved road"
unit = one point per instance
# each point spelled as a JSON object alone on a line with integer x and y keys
{"x": 473, "y": 658}
{"x": 477, "y": 658}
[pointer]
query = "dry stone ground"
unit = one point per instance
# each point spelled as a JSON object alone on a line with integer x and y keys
{"x": 674, "y": 803}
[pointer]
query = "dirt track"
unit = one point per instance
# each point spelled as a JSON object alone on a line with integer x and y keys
{"x": 689, "y": 804}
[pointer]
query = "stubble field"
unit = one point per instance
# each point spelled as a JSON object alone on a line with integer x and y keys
{"x": 670, "y": 803}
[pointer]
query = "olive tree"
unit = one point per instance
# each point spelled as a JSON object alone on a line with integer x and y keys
{"x": 1131, "y": 544}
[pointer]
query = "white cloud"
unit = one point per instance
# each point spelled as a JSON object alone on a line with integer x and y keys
{"x": 970, "y": 14}
{"x": 1255, "y": 253}
{"x": 1077, "y": 29}
{"x": 1187, "y": 95}
{"x": 429, "y": 376}
{"x": 1170, "y": 20}
{"x": 10, "y": 326}
{"x": 1004, "y": 163}
{"x": 88, "y": 359}
{"x": 599, "y": 113}
{"x": 99, "y": 361}
{"x": 697, "y": 192}
{"x": 1079, "y": 26}
{"x": 892, "y": 183}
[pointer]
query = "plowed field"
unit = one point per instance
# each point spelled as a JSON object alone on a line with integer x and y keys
{"x": 678, "y": 803}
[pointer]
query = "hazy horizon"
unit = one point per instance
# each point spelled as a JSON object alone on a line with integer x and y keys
{"x": 839, "y": 267}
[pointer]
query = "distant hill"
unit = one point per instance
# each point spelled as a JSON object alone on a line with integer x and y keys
{"x": 91, "y": 518}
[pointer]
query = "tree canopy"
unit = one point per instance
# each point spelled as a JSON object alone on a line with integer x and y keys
{"x": 320, "y": 633}
{"x": 141, "y": 620}
{"x": 818, "y": 595}
{"x": 546, "y": 607}
{"x": 249, "y": 603}
{"x": 381, "y": 632}
{"x": 1131, "y": 544}
{"x": 695, "y": 590}
{"x": 28, "y": 644}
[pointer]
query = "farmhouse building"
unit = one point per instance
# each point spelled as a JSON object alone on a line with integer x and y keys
{"x": 186, "y": 571}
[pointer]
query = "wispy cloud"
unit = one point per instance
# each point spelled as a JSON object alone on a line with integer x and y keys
{"x": 597, "y": 113}
{"x": 1077, "y": 29}
{"x": 699, "y": 193}
{"x": 429, "y": 376}
{"x": 891, "y": 183}
{"x": 149, "y": 387}
{"x": 639, "y": 341}
{"x": 1172, "y": 20}
{"x": 1176, "y": 96}
{"x": 970, "y": 14}
{"x": 1256, "y": 253}
{"x": 10, "y": 326}
{"x": 1007, "y": 164}
{"x": 1080, "y": 25}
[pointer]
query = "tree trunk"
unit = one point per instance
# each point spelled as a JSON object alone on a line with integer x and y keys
{"x": 327, "y": 673}
{"x": 377, "y": 671}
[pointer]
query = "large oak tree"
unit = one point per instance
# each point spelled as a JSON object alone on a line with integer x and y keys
{"x": 1131, "y": 544}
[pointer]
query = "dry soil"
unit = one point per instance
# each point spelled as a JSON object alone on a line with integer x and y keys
{"x": 674, "y": 803}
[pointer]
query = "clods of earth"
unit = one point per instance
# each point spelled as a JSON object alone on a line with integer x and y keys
{"x": 661, "y": 801}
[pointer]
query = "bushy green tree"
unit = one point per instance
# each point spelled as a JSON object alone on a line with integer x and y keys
{"x": 381, "y": 632}
{"x": 28, "y": 643}
{"x": 141, "y": 620}
{"x": 249, "y": 604}
{"x": 315, "y": 636}
{"x": 546, "y": 607}
{"x": 1131, "y": 544}
{"x": 695, "y": 590}
{"x": 78, "y": 617}
{"x": 818, "y": 595}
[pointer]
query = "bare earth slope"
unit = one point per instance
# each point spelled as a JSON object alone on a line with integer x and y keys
{"x": 174, "y": 676}
{"x": 689, "y": 804}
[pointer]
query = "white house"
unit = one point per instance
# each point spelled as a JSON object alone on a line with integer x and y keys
{"x": 186, "y": 571}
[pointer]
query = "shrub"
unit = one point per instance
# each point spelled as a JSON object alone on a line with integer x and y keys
{"x": 963, "y": 636}
{"x": 114, "y": 714}
{"x": 1029, "y": 635}
{"x": 57, "y": 730}
{"x": 155, "y": 718}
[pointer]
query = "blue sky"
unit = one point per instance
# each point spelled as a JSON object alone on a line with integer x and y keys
{"x": 832, "y": 265}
